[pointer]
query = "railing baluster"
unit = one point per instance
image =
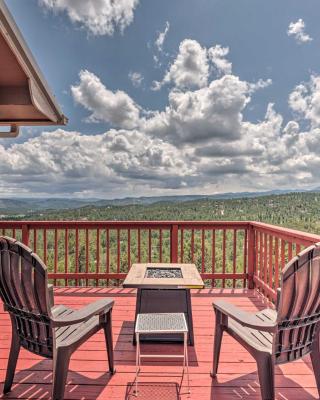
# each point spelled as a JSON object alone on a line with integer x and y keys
{"x": 283, "y": 249}
{"x": 271, "y": 261}
{"x": 174, "y": 243}
{"x": 289, "y": 251}
{"x": 129, "y": 248}
{"x": 234, "y": 265}
{"x": 107, "y": 253}
{"x": 203, "y": 251}
{"x": 245, "y": 255}
{"x": 265, "y": 259}
{"x": 55, "y": 250}
{"x": 66, "y": 253}
{"x": 45, "y": 258}
{"x": 298, "y": 248}
{"x": 213, "y": 258}
{"x": 192, "y": 245}
{"x": 118, "y": 254}
{"x": 77, "y": 254}
{"x": 260, "y": 255}
{"x": 87, "y": 254}
{"x": 98, "y": 255}
{"x": 181, "y": 245}
{"x": 255, "y": 268}
{"x": 160, "y": 245}
{"x": 276, "y": 263}
{"x": 35, "y": 237}
{"x": 224, "y": 257}
{"x": 139, "y": 245}
{"x": 149, "y": 246}
{"x": 25, "y": 234}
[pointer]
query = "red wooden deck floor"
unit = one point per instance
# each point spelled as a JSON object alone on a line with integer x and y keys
{"x": 88, "y": 377}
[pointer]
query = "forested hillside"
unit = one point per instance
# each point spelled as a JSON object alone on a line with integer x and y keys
{"x": 294, "y": 210}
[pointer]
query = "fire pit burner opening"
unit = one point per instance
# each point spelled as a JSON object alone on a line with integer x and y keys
{"x": 163, "y": 273}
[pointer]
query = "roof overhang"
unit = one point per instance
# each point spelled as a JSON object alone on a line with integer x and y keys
{"x": 25, "y": 98}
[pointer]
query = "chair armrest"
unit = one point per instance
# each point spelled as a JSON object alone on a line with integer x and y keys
{"x": 99, "y": 307}
{"x": 244, "y": 318}
{"x": 51, "y": 296}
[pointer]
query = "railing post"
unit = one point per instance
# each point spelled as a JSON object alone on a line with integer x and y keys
{"x": 251, "y": 256}
{"x": 174, "y": 243}
{"x": 25, "y": 234}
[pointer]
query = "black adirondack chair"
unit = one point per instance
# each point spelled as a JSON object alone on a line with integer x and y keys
{"x": 278, "y": 337}
{"x": 54, "y": 332}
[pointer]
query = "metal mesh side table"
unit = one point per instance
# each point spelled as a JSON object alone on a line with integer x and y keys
{"x": 162, "y": 323}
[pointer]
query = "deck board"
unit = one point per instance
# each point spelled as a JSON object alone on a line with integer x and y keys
{"x": 88, "y": 379}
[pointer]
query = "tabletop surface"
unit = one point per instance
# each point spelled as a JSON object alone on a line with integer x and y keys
{"x": 188, "y": 279}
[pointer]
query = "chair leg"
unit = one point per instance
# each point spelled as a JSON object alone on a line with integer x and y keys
{"x": 218, "y": 333}
{"x": 12, "y": 361}
{"x": 60, "y": 371}
{"x": 315, "y": 359}
{"x": 107, "y": 327}
{"x": 266, "y": 376}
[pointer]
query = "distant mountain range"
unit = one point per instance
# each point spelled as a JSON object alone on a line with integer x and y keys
{"x": 27, "y": 205}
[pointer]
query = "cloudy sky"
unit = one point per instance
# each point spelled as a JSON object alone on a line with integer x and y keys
{"x": 170, "y": 97}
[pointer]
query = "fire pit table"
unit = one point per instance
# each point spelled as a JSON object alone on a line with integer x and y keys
{"x": 164, "y": 288}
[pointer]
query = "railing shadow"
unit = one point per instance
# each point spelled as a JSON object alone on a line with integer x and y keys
{"x": 84, "y": 291}
{"x": 247, "y": 387}
{"x": 120, "y": 291}
{"x": 222, "y": 292}
{"x": 36, "y": 382}
{"x": 77, "y": 291}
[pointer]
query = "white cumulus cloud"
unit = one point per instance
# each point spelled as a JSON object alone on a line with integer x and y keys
{"x": 193, "y": 64}
{"x": 99, "y": 17}
{"x": 136, "y": 78}
{"x": 197, "y": 115}
{"x": 200, "y": 142}
{"x": 116, "y": 108}
{"x": 190, "y": 69}
{"x": 217, "y": 55}
{"x": 297, "y": 30}
{"x": 305, "y": 100}
{"x": 63, "y": 162}
{"x": 161, "y": 37}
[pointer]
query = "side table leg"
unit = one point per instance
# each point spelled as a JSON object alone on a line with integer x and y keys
{"x": 137, "y": 361}
{"x": 189, "y": 317}
{"x": 186, "y": 359}
{"x": 138, "y": 306}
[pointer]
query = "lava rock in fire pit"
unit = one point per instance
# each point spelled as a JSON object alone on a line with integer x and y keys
{"x": 163, "y": 273}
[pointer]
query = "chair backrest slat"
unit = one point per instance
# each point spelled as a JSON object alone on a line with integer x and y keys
{"x": 23, "y": 289}
{"x": 7, "y": 291}
{"x": 15, "y": 279}
{"x": 299, "y": 306}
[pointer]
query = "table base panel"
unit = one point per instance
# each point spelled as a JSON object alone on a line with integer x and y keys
{"x": 165, "y": 301}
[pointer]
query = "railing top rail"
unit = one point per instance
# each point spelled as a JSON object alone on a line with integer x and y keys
{"x": 292, "y": 234}
{"x": 286, "y": 233}
{"x": 126, "y": 224}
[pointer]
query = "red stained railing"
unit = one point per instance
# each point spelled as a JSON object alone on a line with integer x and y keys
{"x": 228, "y": 254}
{"x": 273, "y": 247}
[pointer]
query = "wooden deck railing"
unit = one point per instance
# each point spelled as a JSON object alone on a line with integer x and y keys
{"x": 227, "y": 254}
{"x": 273, "y": 248}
